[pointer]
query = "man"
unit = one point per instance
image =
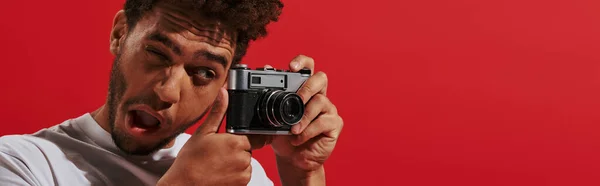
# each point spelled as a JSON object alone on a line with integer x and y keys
{"x": 170, "y": 69}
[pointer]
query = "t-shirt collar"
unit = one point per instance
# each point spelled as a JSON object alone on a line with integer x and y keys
{"x": 102, "y": 138}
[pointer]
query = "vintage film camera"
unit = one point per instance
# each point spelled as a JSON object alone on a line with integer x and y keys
{"x": 264, "y": 101}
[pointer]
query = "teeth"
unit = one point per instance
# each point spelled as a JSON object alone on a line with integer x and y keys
{"x": 146, "y": 119}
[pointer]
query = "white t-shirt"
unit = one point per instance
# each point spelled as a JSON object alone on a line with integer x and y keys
{"x": 79, "y": 152}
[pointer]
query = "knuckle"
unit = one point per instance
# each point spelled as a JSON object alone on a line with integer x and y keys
{"x": 320, "y": 98}
{"x": 307, "y": 111}
{"x": 248, "y": 172}
{"x": 304, "y": 135}
{"x": 246, "y": 160}
{"x": 306, "y": 92}
{"x": 322, "y": 74}
{"x": 333, "y": 107}
{"x": 240, "y": 161}
{"x": 341, "y": 121}
{"x": 234, "y": 143}
{"x": 245, "y": 177}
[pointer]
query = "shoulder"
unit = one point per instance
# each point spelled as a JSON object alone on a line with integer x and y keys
{"x": 23, "y": 145}
{"x": 19, "y": 154}
{"x": 28, "y": 149}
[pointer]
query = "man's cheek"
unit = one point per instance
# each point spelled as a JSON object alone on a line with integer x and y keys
{"x": 138, "y": 82}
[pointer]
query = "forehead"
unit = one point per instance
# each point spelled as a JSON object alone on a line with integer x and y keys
{"x": 191, "y": 24}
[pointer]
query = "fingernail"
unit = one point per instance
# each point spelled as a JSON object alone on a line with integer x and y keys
{"x": 295, "y": 65}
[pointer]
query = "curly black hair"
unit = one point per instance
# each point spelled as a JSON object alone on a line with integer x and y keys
{"x": 248, "y": 18}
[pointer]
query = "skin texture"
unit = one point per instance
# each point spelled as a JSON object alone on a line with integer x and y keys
{"x": 147, "y": 72}
{"x": 173, "y": 64}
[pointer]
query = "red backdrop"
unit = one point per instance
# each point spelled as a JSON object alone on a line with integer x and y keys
{"x": 432, "y": 92}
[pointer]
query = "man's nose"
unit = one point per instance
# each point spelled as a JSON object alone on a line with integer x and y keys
{"x": 169, "y": 88}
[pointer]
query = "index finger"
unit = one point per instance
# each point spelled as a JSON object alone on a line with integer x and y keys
{"x": 316, "y": 84}
{"x": 302, "y": 61}
{"x": 216, "y": 114}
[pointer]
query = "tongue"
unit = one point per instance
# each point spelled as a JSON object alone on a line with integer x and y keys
{"x": 144, "y": 120}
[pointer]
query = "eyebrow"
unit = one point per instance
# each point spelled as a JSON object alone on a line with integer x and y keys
{"x": 166, "y": 41}
{"x": 177, "y": 50}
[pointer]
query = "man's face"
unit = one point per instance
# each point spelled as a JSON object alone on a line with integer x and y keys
{"x": 167, "y": 72}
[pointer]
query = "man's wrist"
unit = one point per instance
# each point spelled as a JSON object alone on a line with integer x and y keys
{"x": 290, "y": 175}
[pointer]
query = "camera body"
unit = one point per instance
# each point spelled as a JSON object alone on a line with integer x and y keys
{"x": 264, "y": 101}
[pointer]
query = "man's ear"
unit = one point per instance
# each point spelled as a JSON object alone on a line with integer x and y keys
{"x": 118, "y": 32}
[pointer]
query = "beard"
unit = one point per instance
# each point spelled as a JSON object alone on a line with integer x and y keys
{"x": 125, "y": 142}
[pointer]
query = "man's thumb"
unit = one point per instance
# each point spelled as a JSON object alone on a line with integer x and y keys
{"x": 215, "y": 115}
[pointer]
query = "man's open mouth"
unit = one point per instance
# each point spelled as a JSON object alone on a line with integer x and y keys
{"x": 143, "y": 120}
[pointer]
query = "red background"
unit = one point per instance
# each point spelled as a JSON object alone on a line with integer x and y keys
{"x": 432, "y": 92}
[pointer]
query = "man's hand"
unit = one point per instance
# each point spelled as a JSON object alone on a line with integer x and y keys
{"x": 300, "y": 157}
{"x": 211, "y": 158}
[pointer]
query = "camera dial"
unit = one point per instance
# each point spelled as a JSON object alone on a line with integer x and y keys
{"x": 240, "y": 66}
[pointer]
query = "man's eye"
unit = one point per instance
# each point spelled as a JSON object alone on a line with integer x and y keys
{"x": 203, "y": 73}
{"x": 157, "y": 53}
{"x": 202, "y": 76}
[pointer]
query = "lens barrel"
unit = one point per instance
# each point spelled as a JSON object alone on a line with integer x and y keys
{"x": 278, "y": 108}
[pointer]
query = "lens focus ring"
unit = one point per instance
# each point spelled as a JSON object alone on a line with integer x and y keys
{"x": 278, "y": 108}
{"x": 289, "y": 108}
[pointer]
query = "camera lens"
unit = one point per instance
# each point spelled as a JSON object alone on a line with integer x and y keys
{"x": 278, "y": 108}
{"x": 290, "y": 108}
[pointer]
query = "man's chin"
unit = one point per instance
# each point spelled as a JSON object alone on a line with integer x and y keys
{"x": 132, "y": 146}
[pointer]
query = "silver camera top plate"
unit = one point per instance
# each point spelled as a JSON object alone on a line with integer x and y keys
{"x": 243, "y": 78}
